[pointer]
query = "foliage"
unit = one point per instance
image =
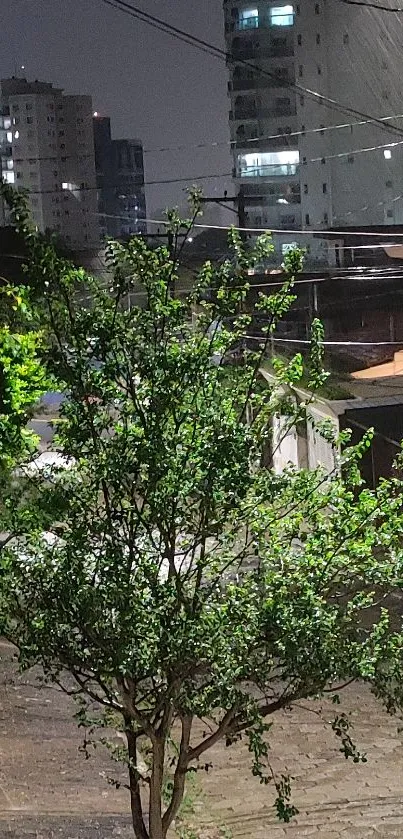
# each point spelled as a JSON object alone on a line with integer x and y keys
{"x": 22, "y": 375}
{"x": 178, "y": 579}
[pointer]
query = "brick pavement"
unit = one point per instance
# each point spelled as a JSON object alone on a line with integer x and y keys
{"x": 336, "y": 797}
{"x": 48, "y": 790}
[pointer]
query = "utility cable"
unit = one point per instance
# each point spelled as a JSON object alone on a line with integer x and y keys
{"x": 212, "y": 175}
{"x": 370, "y": 5}
{"x": 217, "y": 52}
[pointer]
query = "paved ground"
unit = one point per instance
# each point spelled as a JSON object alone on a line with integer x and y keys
{"x": 49, "y": 791}
{"x": 47, "y": 788}
{"x": 337, "y": 799}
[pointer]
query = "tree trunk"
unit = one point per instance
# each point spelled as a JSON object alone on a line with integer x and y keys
{"x": 156, "y": 781}
{"x": 139, "y": 827}
{"x": 179, "y": 776}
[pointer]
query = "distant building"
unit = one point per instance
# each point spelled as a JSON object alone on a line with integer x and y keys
{"x": 301, "y": 160}
{"x": 46, "y": 147}
{"x": 120, "y": 181}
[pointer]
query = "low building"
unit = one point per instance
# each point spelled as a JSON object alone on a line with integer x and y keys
{"x": 358, "y": 404}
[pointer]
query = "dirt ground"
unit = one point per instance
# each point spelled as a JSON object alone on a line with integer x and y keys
{"x": 49, "y": 791}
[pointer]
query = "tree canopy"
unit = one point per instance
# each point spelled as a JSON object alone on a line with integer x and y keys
{"x": 169, "y": 575}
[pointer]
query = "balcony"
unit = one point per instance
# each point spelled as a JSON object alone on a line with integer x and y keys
{"x": 272, "y": 200}
{"x": 270, "y": 164}
{"x": 257, "y": 82}
{"x": 263, "y": 113}
{"x": 283, "y": 170}
{"x": 253, "y": 141}
{"x": 247, "y": 52}
{"x": 245, "y": 23}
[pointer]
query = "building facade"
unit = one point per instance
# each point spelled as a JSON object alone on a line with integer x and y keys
{"x": 47, "y": 148}
{"x": 120, "y": 181}
{"x": 300, "y": 159}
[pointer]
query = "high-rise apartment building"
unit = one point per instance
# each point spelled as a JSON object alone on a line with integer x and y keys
{"x": 302, "y": 157}
{"x": 47, "y": 147}
{"x": 120, "y": 180}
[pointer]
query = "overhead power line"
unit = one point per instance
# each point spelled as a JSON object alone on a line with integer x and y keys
{"x": 217, "y": 52}
{"x": 214, "y": 175}
{"x": 292, "y": 232}
{"x": 330, "y": 343}
{"x": 370, "y": 5}
{"x": 248, "y": 140}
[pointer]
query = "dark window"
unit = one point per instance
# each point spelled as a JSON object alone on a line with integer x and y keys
{"x": 305, "y": 189}
{"x": 324, "y": 189}
{"x": 346, "y": 38}
{"x": 317, "y": 9}
{"x": 326, "y": 218}
{"x": 303, "y": 130}
{"x": 350, "y": 158}
{"x": 318, "y": 38}
{"x": 389, "y": 184}
{"x": 307, "y": 220}
{"x": 304, "y": 160}
{"x": 302, "y": 100}
{"x": 389, "y": 214}
{"x": 300, "y": 71}
{"x": 29, "y": 120}
{"x": 319, "y": 70}
{"x": 299, "y": 40}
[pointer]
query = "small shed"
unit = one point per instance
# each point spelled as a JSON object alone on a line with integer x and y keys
{"x": 369, "y": 402}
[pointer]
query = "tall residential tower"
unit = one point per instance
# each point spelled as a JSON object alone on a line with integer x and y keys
{"x": 298, "y": 72}
{"x": 47, "y": 147}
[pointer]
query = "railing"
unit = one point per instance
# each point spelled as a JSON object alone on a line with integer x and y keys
{"x": 271, "y": 200}
{"x": 253, "y": 141}
{"x": 244, "y": 24}
{"x": 269, "y": 171}
{"x": 258, "y": 82}
{"x": 250, "y": 52}
{"x": 263, "y": 113}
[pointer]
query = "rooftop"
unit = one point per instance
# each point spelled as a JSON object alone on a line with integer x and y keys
{"x": 21, "y": 86}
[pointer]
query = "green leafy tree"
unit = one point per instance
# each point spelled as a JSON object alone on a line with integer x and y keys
{"x": 166, "y": 576}
{"x": 22, "y": 374}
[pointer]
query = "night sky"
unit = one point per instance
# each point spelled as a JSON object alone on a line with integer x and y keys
{"x": 152, "y": 86}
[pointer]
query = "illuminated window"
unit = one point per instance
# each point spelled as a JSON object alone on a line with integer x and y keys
{"x": 248, "y": 19}
{"x": 9, "y": 177}
{"x": 282, "y": 16}
{"x": 261, "y": 164}
{"x": 387, "y": 154}
{"x": 286, "y": 247}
